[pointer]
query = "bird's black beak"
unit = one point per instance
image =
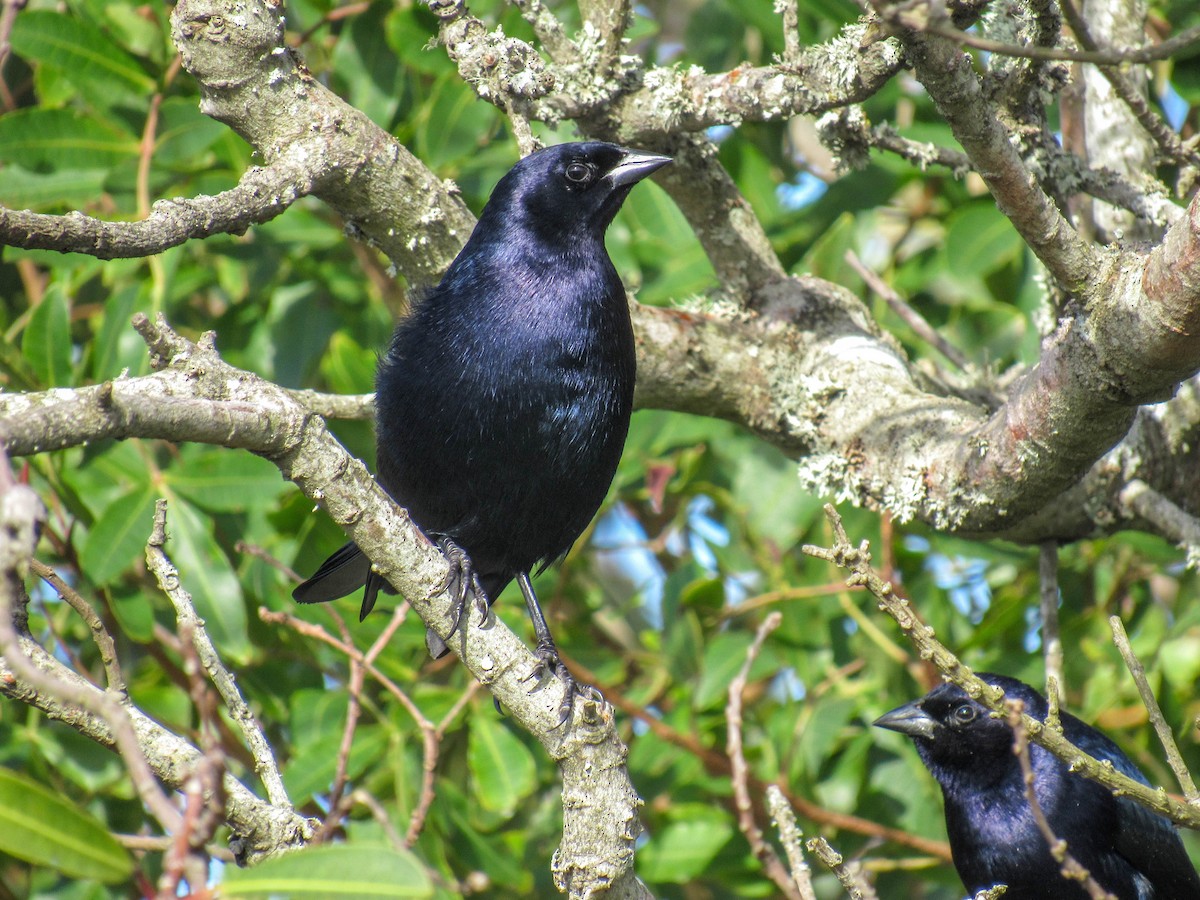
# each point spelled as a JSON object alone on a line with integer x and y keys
{"x": 634, "y": 166}
{"x": 909, "y": 719}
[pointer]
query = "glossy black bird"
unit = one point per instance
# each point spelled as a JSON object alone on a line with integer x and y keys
{"x": 1131, "y": 852}
{"x": 503, "y": 401}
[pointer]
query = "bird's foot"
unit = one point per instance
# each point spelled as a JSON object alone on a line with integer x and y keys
{"x": 549, "y": 662}
{"x": 462, "y": 582}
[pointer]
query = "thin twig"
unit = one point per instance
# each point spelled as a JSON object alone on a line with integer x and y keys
{"x": 789, "y": 14}
{"x": 160, "y": 843}
{"x": 20, "y": 509}
{"x": 185, "y": 614}
{"x": 431, "y": 736}
{"x": 353, "y": 712}
{"x": 1099, "y": 57}
{"x": 739, "y": 771}
{"x": 1169, "y": 519}
{"x": 334, "y": 15}
{"x": 718, "y": 763}
{"x": 769, "y": 598}
{"x": 1051, "y": 641}
{"x": 911, "y": 317}
{"x": 855, "y": 886}
{"x": 1168, "y": 141}
{"x": 104, "y": 641}
{"x": 356, "y": 407}
{"x": 1161, "y": 728}
{"x": 792, "y": 839}
{"x": 379, "y": 814}
{"x": 204, "y": 797}
{"x": 262, "y": 553}
{"x": 1071, "y": 867}
{"x": 550, "y": 32}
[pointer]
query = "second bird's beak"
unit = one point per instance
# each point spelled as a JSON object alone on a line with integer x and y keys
{"x": 909, "y": 719}
{"x": 635, "y": 166}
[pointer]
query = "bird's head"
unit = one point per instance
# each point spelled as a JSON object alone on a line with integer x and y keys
{"x": 570, "y": 189}
{"x": 953, "y": 731}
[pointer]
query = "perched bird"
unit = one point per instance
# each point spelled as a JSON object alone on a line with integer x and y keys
{"x": 503, "y": 401}
{"x": 1131, "y": 852}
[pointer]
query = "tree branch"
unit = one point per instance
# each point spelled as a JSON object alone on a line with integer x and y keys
{"x": 263, "y": 192}
{"x": 196, "y": 396}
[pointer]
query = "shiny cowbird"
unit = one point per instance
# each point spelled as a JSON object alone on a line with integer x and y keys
{"x": 503, "y": 401}
{"x": 1131, "y": 852}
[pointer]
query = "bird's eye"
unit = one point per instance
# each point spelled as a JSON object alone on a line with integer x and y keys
{"x": 579, "y": 173}
{"x": 965, "y": 714}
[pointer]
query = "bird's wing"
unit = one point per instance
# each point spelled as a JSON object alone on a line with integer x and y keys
{"x": 1148, "y": 842}
{"x": 1152, "y": 846}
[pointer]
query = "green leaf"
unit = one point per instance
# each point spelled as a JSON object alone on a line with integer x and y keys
{"x": 44, "y": 829}
{"x": 223, "y": 481}
{"x": 75, "y": 188}
{"x": 503, "y": 768}
{"x": 118, "y": 536}
{"x": 81, "y": 51}
{"x": 683, "y": 849}
{"x": 41, "y": 139}
{"x": 337, "y": 872}
{"x": 980, "y": 240}
{"x": 114, "y": 329}
{"x": 205, "y": 572}
{"x": 47, "y": 339}
{"x": 184, "y": 134}
{"x": 311, "y": 770}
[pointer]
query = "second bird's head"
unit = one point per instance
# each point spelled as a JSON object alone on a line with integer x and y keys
{"x": 573, "y": 188}
{"x": 952, "y": 731}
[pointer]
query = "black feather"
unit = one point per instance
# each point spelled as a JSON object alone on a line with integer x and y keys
{"x": 503, "y": 401}
{"x": 1131, "y": 852}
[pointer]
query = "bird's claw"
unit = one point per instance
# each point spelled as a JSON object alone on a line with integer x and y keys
{"x": 462, "y": 582}
{"x": 550, "y": 663}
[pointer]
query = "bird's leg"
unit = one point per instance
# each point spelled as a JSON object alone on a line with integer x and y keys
{"x": 462, "y": 582}
{"x": 547, "y": 654}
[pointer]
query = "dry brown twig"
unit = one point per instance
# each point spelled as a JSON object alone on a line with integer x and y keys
{"x": 167, "y": 576}
{"x": 431, "y": 734}
{"x": 353, "y": 711}
{"x": 104, "y": 641}
{"x": 1071, "y": 868}
{"x": 739, "y": 771}
{"x": 20, "y": 513}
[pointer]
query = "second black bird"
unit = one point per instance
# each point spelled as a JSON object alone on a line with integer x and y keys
{"x": 1131, "y": 852}
{"x": 503, "y": 401}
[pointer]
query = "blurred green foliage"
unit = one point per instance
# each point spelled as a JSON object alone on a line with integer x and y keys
{"x": 702, "y": 516}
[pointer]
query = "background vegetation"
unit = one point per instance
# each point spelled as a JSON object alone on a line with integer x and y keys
{"x": 699, "y": 540}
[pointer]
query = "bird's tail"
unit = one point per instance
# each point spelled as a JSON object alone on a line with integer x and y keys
{"x": 348, "y": 569}
{"x": 343, "y": 573}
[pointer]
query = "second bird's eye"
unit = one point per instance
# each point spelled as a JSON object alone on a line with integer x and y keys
{"x": 579, "y": 172}
{"x": 965, "y": 714}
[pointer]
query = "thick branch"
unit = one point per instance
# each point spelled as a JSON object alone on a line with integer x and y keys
{"x": 262, "y": 194}
{"x": 250, "y": 81}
